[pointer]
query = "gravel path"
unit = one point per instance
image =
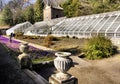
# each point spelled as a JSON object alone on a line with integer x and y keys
{"x": 106, "y": 71}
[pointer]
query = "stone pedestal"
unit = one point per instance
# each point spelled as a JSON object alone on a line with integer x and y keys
{"x": 54, "y": 80}
{"x": 62, "y": 63}
{"x": 25, "y": 61}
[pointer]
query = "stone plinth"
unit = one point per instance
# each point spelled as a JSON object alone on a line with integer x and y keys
{"x": 62, "y": 63}
{"x": 25, "y": 61}
{"x": 54, "y": 80}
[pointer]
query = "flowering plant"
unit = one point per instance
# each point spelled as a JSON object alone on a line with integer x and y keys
{"x": 34, "y": 52}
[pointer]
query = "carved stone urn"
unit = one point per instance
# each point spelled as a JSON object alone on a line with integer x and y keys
{"x": 63, "y": 63}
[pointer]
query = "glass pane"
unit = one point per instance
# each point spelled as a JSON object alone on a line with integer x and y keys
{"x": 118, "y": 31}
{"x": 114, "y": 25}
{"x": 86, "y": 25}
{"x": 99, "y": 25}
{"x": 80, "y": 24}
{"x": 107, "y": 24}
{"x": 92, "y": 25}
{"x": 110, "y": 34}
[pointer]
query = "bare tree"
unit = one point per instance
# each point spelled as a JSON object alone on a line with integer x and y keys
{"x": 1, "y": 4}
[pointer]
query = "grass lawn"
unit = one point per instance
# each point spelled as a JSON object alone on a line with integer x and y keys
{"x": 39, "y": 60}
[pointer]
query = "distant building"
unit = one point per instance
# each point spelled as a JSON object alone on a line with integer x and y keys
{"x": 52, "y": 11}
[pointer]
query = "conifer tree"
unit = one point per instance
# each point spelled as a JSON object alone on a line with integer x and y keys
{"x": 7, "y": 16}
{"x": 71, "y": 8}
{"x": 38, "y": 11}
{"x": 29, "y": 14}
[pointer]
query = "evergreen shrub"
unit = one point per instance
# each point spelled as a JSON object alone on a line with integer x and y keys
{"x": 67, "y": 36}
{"x": 74, "y": 37}
{"x": 74, "y": 50}
{"x": 99, "y": 47}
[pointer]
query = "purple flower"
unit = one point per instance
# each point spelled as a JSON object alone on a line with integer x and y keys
{"x": 34, "y": 52}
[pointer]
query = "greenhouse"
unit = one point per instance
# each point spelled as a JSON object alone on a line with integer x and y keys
{"x": 42, "y": 28}
{"x": 19, "y": 28}
{"x": 105, "y": 24}
{"x": 37, "y": 28}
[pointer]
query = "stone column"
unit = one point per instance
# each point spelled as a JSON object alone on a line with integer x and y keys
{"x": 24, "y": 58}
{"x": 63, "y": 63}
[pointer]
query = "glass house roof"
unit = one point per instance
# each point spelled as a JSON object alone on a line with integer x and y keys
{"x": 104, "y": 23}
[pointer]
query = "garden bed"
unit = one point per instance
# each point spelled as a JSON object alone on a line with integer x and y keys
{"x": 36, "y": 54}
{"x": 72, "y": 45}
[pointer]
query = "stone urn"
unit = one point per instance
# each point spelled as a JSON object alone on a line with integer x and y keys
{"x": 63, "y": 63}
{"x": 24, "y": 47}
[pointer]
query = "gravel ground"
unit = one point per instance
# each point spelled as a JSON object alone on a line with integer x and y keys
{"x": 105, "y": 71}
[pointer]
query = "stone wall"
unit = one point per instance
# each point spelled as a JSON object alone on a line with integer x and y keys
{"x": 116, "y": 41}
{"x": 57, "y": 13}
{"x": 43, "y": 64}
{"x": 47, "y": 13}
{"x": 52, "y": 13}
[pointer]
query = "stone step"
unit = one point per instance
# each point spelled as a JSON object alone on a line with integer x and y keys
{"x": 36, "y": 77}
